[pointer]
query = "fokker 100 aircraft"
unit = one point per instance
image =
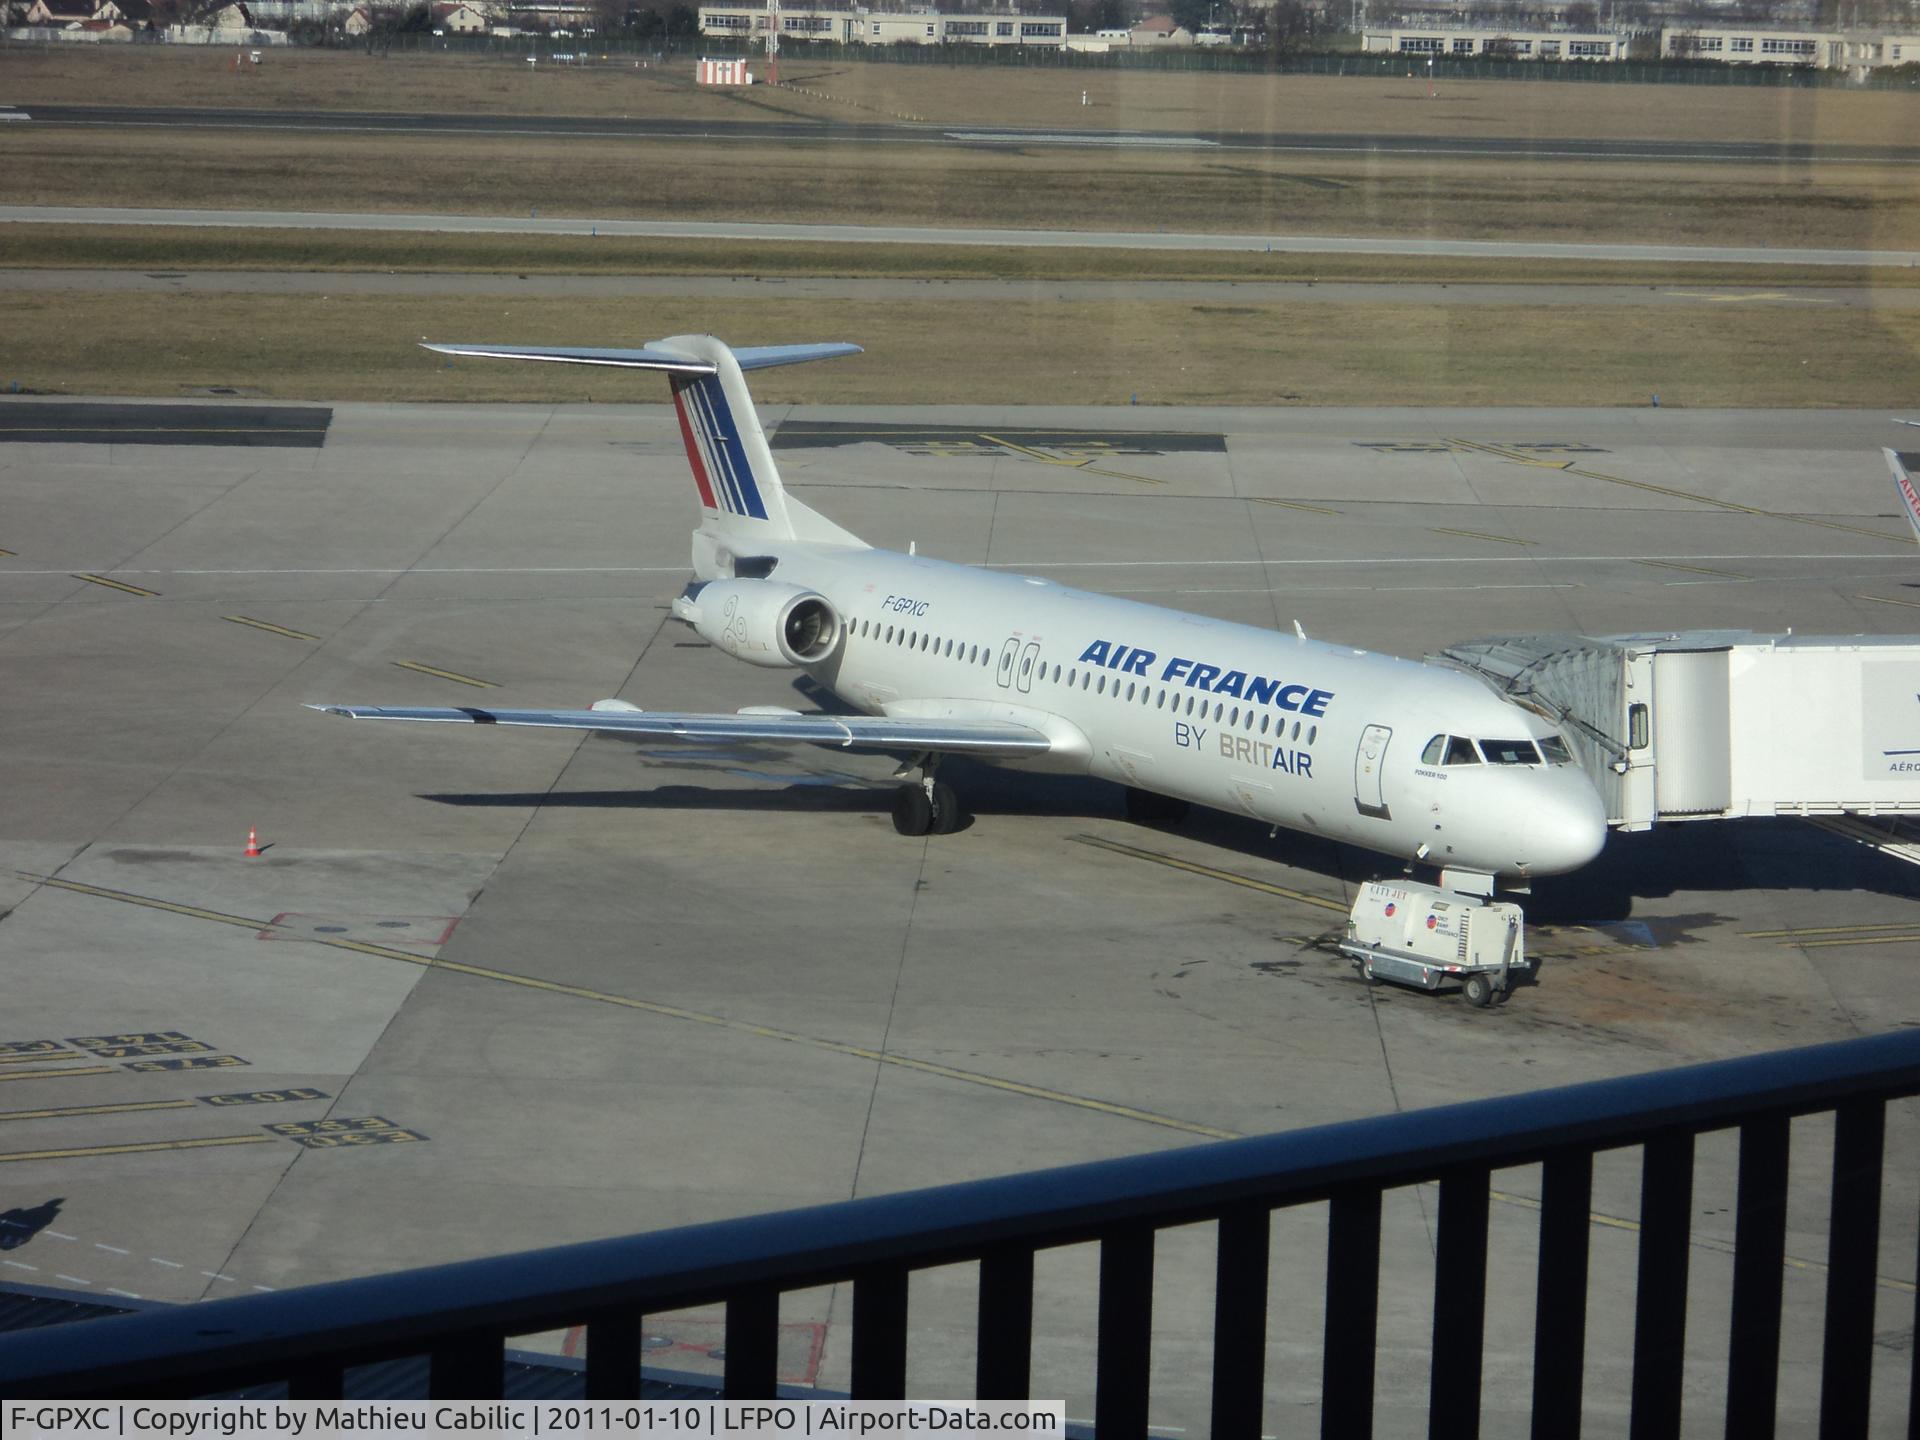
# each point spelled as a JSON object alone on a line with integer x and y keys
{"x": 1415, "y": 761}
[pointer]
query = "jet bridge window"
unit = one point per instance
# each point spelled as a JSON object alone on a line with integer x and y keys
{"x": 1510, "y": 752}
{"x": 1460, "y": 751}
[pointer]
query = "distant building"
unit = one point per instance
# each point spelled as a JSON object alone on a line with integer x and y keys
{"x": 59, "y": 13}
{"x": 1435, "y": 40}
{"x": 862, "y": 26}
{"x": 456, "y": 17}
{"x": 358, "y": 22}
{"x": 1159, "y": 32}
{"x": 233, "y": 16}
{"x": 1827, "y": 50}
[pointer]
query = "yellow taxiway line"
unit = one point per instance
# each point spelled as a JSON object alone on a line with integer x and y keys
{"x": 452, "y": 675}
{"x": 116, "y": 585}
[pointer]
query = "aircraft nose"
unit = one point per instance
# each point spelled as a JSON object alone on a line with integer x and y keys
{"x": 1565, "y": 827}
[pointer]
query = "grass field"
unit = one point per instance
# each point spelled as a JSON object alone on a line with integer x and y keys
{"x": 366, "y": 348}
{"x": 1861, "y": 206}
{"x": 1024, "y": 351}
{"x": 166, "y": 247}
{"x": 1042, "y": 95}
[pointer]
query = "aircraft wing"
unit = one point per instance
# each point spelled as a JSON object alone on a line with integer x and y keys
{"x": 846, "y": 732}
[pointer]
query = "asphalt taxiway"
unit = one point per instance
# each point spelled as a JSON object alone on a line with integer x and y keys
{"x": 875, "y": 132}
{"x": 776, "y": 232}
{"x": 841, "y": 287}
{"x": 487, "y": 991}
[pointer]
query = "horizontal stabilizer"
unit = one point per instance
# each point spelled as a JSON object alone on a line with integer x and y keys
{"x": 651, "y": 357}
{"x": 847, "y": 732}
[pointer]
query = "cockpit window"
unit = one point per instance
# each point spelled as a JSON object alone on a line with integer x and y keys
{"x": 1510, "y": 752}
{"x": 1436, "y": 747}
{"x": 1555, "y": 749}
{"x": 1460, "y": 751}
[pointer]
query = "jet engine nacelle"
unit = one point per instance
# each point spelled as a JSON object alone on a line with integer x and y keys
{"x": 763, "y": 621}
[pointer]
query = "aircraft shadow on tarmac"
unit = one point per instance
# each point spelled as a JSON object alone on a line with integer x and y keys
{"x": 1759, "y": 855}
{"x": 22, "y": 1223}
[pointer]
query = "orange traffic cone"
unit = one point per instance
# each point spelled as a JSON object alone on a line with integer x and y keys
{"x": 253, "y": 844}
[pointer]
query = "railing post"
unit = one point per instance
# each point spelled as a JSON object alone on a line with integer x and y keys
{"x": 1660, "y": 1311}
{"x": 1003, "y": 1366}
{"x": 1759, "y": 1268}
{"x": 466, "y": 1367}
{"x": 1353, "y": 1313}
{"x": 1913, "y": 1369}
{"x": 1853, "y": 1258}
{"x": 1240, "y": 1322}
{"x": 613, "y": 1356}
{"x": 880, "y": 1334}
{"x": 753, "y": 1345}
{"x": 1126, "y": 1333}
{"x": 1560, "y": 1299}
{"x": 1459, "y": 1307}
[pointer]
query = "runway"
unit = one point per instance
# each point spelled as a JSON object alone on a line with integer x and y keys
{"x": 951, "y": 235}
{"x": 736, "y": 287}
{"x": 761, "y": 132}
{"x": 556, "y": 987}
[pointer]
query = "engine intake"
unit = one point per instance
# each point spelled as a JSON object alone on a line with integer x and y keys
{"x": 764, "y": 622}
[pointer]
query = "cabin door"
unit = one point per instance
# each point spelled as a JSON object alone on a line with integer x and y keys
{"x": 1368, "y": 761}
{"x": 1009, "y": 653}
{"x": 1027, "y": 657}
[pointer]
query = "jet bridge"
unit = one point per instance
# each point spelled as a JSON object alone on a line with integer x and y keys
{"x": 1717, "y": 724}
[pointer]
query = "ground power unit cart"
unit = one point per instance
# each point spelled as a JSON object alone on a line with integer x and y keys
{"x": 1424, "y": 937}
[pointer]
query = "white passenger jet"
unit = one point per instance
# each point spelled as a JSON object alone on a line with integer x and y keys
{"x": 1416, "y": 761}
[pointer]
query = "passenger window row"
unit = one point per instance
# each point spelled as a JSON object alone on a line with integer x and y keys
{"x": 1097, "y": 681}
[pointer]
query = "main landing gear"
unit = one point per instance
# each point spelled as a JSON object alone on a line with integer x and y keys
{"x": 926, "y": 806}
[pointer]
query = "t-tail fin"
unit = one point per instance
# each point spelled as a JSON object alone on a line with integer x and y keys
{"x": 743, "y": 504}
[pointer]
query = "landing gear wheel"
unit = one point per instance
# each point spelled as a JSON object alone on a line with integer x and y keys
{"x": 912, "y": 812}
{"x": 1478, "y": 990}
{"x": 946, "y": 809}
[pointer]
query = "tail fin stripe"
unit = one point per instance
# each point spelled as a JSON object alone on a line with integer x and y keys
{"x": 722, "y": 461}
{"x": 727, "y": 450}
{"x": 700, "y": 481}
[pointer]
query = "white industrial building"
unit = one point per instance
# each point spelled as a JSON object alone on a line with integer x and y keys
{"x": 861, "y": 26}
{"x": 1463, "y": 42}
{"x": 1828, "y": 50}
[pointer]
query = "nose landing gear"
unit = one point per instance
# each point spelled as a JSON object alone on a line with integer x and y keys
{"x": 926, "y": 806}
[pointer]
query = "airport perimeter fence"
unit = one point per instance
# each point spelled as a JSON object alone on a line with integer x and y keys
{"x": 463, "y": 1315}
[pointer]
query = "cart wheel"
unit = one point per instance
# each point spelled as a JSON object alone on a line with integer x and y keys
{"x": 1478, "y": 990}
{"x": 1366, "y": 974}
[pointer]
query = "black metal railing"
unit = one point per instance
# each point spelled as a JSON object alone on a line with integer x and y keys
{"x": 461, "y": 1315}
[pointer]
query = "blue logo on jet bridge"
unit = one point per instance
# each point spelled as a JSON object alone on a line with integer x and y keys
{"x": 1234, "y": 684}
